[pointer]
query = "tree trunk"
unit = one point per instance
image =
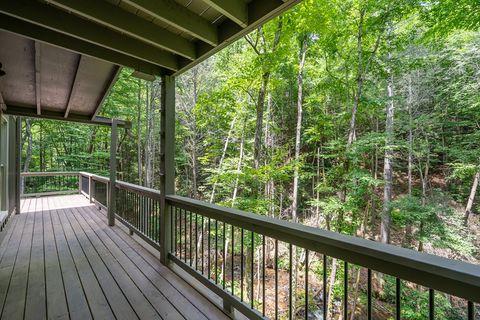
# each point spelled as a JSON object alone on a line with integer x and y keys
{"x": 471, "y": 198}
{"x": 388, "y": 161}
{"x": 224, "y": 152}
{"x": 239, "y": 166}
{"x": 296, "y": 174}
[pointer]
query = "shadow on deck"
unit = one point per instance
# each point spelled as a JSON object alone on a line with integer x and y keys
{"x": 59, "y": 259}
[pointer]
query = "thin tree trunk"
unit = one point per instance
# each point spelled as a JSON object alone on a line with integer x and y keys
{"x": 239, "y": 166}
{"x": 388, "y": 161}
{"x": 471, "y": 198}
{"x": 296, "y": 174}
{"x": 224, "y": 152}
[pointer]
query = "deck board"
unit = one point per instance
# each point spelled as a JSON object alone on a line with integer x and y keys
{"x": 60, "y": 260}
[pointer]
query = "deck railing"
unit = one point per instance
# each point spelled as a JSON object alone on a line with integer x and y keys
{"x": 49, "y": 183}
{"x": 242, "y": 257}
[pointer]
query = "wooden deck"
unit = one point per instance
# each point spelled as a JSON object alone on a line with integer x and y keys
{"x": 59, "y": 260}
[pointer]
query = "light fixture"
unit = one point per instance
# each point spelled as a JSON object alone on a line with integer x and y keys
{"x": 2, "y": 73}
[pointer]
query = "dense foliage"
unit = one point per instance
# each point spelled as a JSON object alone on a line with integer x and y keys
{"x": 358, "y": 116}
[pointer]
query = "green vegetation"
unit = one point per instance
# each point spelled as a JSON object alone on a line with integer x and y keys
{"x": 358, "y": 116}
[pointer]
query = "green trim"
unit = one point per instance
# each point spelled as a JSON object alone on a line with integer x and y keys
{"x": 235, "y": 10}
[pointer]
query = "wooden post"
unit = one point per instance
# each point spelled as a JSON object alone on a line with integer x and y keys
{"x": 113, "y": 175}
{"x": 18, "y": 166}
{"x": 167, "y": 161}
{"x": 90, "y": 186}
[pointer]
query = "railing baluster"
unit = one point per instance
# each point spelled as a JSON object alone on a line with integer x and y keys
{"x": 252, "y": 286}
{"x": 345, "y": 290}
{"x": 398, "y": 296}
{"x": 202, "y": 256}
{"x": 431, "y": 304}
{"x": 263, "y": 275}
{"x": 276, "y": 279}
{"x": 233, "y": 260}
{"x": 172, "y": 228}
{"x": 241, "y": 263}
{"x": 216, "y": 251}
{"x": 196, "y": 241}
{"x": 185, "y": 233}
{"x": 290, "y": 282}
{"x": 176, "y": 231}
{"x": 224, "y": 264}
{"x": 306, "y": 284}
{"x": 209, "y": 270}
{"x": 471, "y": 310}
{"x": 325, "y": 298}
{"x": 190, "y": 238}
{"x": 369, "y": 294}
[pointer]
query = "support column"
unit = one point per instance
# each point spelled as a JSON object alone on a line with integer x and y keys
{"x": 112, "y": 191}
{"x": 18, "y": 165}
{"x": 167, "y": 161}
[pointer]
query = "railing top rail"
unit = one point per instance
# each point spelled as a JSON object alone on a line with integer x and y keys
{"x": 151, "y": 193}
{"x": 49, "y": 174}
{"x": 99, "y": 178}
{"x": 450, "y": 276}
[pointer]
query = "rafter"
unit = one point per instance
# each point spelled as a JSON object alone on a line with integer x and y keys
{"x": 113, "y": 78}
{"x": 235, "y": 10}
{"x": 114, "y": 17}
{"x": 38, "y": 87}
{"x": 179, "y": 17}
{"x": 259, "y": 12}
{"x": 73, "y": 88}
{"x": 56, "y": 115}
{"x": 60, "y": 21}
{"x": 42, "y": 34}
{"x": 3, "y": 106}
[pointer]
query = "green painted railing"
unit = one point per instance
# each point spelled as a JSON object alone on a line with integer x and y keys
{"x": 269, "y": 268}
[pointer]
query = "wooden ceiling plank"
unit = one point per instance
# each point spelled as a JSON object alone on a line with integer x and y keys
{"x": 235, "y": 10}
{"x": 179, "y": 17}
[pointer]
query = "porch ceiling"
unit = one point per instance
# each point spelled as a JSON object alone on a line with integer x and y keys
{"x": 63, "y": 56}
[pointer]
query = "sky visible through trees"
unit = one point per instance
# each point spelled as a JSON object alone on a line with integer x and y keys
{"x": 358, "y": 116}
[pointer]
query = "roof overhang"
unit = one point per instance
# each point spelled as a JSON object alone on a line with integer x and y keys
{"x": 94, "y": 38}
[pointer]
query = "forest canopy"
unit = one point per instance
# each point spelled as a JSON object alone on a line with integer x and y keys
{"x": 358, "y": 116}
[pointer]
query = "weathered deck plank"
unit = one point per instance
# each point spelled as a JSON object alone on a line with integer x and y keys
{"x": 59, "y": 259}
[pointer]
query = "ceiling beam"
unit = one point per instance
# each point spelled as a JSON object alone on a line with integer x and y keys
{"x": 113, "y": 79}
{"x": 38, "y": 87}
{"x": 42, "y": 34}
{"x": 259, "y": 12}
{"x": 73, "y": 88}
{"x": 235, "y": 10}
{"x": 120, "y": 20}
{"x": 3, "y": 106}
{"x": 179, "y": 17}
{"x": 58, "y": 115}
{"x": 60, "y": 21}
